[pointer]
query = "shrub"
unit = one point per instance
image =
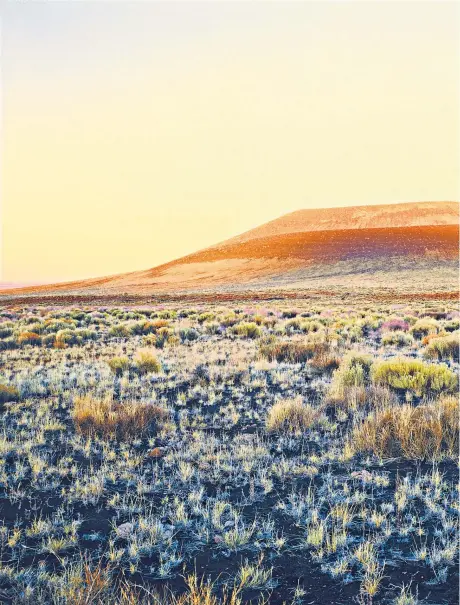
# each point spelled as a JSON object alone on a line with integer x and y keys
{"x": 8, "y": 393}
{"x": 358, "y": 397}
{"x": 427, "y": 431}
{"x": 207, "y": 316}
{"x": 48, "y": 340}
{"x": 229, "y": 320}
{"x": 119, "y": 331}
{"x": 189, "y": 334}
{"x": 451, "y": 326}
{"x": 109, "y": 419}
{"x": 5, "y": 332}
{"x": 289, "y": 314}
{"x": 393, "y": 325}
{"x": 66, "y": 337}
{"x": 324, "y": 362}
{"x": 416, "y": 376}
{"x": 149, "y": 327}
{"x": 398, "y": 338}
{"x": 145, "y": 363}
{"x": 28, "y": 338}
{"x": 291, "y": 352}
{"x": 247, "y": 330}
{"x": 446, "y": 347}
{"x": 423, "y": 327}
{"x": 291, "y": 416}
{"x": 119, "y": 365}
{"x": 167, "y": 314}
{"x": 8, "y": 344}
{"x": 311, "y": 326}
{"x": 354, "y": 371}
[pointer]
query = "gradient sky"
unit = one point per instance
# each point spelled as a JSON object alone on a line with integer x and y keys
{"x": 136, "y": 132}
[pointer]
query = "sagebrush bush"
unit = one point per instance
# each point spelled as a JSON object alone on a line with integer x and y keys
{"x": 414, "y": 376}
{"x": 291, "y": 416}
{"x": 119, "y": 365}
{"x": 188, "y": 334}
{"x": 423, "y": 327}
{"x": 146, "y": 363}
{"x": 247, "y": 330}
{"x": 398, "y": 338}
{"x": 442, "y": 348}
{"x": 354, "y": 371}
{"x": 110, "y": 419}
{"x": 424, "y": 432}
{"x": 119, "y": 331}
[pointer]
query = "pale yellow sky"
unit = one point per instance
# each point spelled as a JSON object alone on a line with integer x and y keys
{"x": 135, "y": 133}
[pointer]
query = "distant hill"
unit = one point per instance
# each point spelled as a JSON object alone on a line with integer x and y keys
{"x": 410, "y": 214}
{"x": 408, "y": 246}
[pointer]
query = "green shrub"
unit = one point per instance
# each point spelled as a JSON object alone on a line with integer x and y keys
{"x": 423, "y": 327}
{"x": 451, "y": 326}
{"x": 445, "y": 347}
{"x": 247, "y": 330}
{"x": 414, "y": 376}
{"x": 5, "y": 332}
{"x": 8, "y": 344}
{"x": 189, "y": 334}
{"x": 398, "y": 338}
{"x": 208, "y": 316}
{"x": 229, "y": 320}
{"x": 159, "y": 338}
{"x": 119, "y": 331}
{"x": 48, "y": 340}
{"x": 119, "y": 365}
{"x": 354, "y": 371}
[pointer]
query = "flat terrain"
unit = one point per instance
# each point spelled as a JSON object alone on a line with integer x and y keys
{"x": 211, "y": 451}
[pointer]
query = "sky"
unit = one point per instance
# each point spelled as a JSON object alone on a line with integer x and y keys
{"x": 134, "y": 133}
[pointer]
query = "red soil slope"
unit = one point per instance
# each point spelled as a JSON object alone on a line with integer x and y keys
{"x": 422, "y": 238}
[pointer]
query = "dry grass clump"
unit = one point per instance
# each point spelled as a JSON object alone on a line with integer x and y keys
{"x": 28, "y": 338}
{"x": 425, "y": 432}
{"x": 445, "y": 347}
{"x": 145, "y": 363}
{"x": 356, "y": 397}
{"x": 291, "y": 416}
{"x": 109, "y": 419}
{"x": 291, "y": 351}
{"x": 415, "y": 376}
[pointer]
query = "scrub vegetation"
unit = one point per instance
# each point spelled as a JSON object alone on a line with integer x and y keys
{"x": 225, "y": 454}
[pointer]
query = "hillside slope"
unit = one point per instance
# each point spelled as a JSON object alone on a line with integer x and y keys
{"x": 409, "y": 214}
{"x": 411, "y": 246}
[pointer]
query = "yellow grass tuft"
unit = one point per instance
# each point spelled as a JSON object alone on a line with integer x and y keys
{"x": 109, "y": 419}
{"x": 291, "y": 416}
{"x": 425, "y": 432}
